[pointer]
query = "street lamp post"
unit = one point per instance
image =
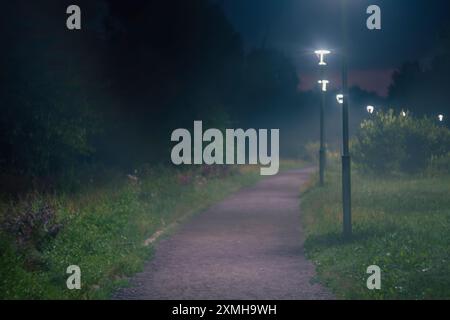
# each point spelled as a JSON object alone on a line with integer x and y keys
{"x": 346, "y": 173}
{"x": 322, "y": 151}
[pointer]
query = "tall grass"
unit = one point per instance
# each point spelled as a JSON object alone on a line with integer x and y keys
{"x": 401, "y": 223}
{"x": 103, "y": 231}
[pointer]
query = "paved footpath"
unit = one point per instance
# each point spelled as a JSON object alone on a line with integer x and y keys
{"x": 249, "y": 246}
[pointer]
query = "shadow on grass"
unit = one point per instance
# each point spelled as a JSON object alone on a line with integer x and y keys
{"x": 330, "y": 239}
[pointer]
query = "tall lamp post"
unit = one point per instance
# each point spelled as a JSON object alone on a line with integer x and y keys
{"x": 346, "y": 173}
{"x": 322, "y": 151}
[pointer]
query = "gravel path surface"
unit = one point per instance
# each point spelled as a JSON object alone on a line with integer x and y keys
{"x": 249, "y": 246}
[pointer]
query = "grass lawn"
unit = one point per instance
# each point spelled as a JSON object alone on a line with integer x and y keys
{"x": 103, "y": 231}
{"x": 104, "y": 228}
{"x": 401, "y": 224}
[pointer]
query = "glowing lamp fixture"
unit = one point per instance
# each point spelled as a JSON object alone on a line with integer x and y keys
{"x": 370, "y": 109}
{"x": 340, "y": 98}
{"x": 324, "y": 84}
{"x": 321, "y": 54}
{"x": 441, "y": 117}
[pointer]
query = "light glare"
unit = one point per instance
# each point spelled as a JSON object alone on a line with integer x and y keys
{"x": 321, "y": 54}
{"x": 324, "y": 84}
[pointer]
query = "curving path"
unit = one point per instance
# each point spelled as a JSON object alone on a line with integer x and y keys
{"x": 249, "y": 246}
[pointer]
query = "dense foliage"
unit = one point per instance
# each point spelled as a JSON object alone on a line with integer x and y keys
{"x": 113, "y": 92}
{"x": 389, "y": 143}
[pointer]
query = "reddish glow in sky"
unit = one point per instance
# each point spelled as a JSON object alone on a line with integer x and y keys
{"x": 370, "y": 80}
{"x": 409, "y": 32}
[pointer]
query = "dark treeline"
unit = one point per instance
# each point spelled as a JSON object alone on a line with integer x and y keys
{"x": 423, "y": 87}
{"x": 112, "y": 93}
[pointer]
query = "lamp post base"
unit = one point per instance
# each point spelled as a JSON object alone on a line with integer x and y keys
{"x": 346, "y": 196}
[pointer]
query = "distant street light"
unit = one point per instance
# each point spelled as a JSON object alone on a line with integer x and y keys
{"x": 322, "y": 151}
{"x": 403, "y": 113}
{"x": 441, "y": 117}
{"x": 324, "y": 84}
{"x": 370, "y": 109}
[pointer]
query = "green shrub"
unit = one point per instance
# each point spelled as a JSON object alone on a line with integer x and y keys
{"x": 310, "y": 152}
{"x": 439, "y": 164}
{"x": 389, "y": 143}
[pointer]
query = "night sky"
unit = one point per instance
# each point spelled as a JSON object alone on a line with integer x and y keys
{"x": 409, "y": 32}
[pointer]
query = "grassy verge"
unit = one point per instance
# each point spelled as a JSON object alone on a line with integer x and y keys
{"x": 401, "y": 224}
{"x": 102, "y": 231}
